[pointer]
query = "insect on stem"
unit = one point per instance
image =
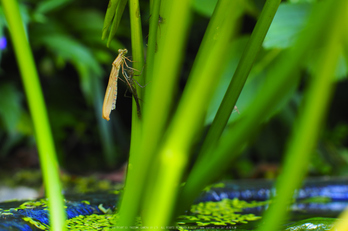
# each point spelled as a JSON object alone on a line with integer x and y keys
{"x": 110, "y": 97}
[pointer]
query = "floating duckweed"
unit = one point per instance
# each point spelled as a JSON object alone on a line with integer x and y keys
{"x": 86, "y": 202}
{"x": 203, "y": 223}
{"x": 86, "y": 184}
{"x": 5, "y": 214}
{"x": 203, "y": 217}
{"x": 101, "y": 208}
{"x": 218, "y": 223}
{"x": 116, "y": 192}
{"x": 33, "y": 204}
{"x": 36, "y": 223}
{"x": 218, "y": 185}
{"x": 221, "y": 213}
{"x": 94, "y": 222}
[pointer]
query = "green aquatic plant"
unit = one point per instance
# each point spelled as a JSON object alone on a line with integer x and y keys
{"x": 217, "y": 185}
{"x": 222, "y": 213}
{"x": 36, "y": 223}
{"x": 154, "y": 187}
{"x": 30, "y": 79}
{"x": 158, "y": 161}
{"x": 173, "y": 124}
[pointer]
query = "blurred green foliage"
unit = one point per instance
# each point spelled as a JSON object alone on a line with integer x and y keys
{"x": 265, "y": 150}
{"x": 65, "y": 38}
{"x": 72, "y": 58}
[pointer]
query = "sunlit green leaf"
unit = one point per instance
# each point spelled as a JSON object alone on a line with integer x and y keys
{"x": 287, "y": 23}
{"x": 257, "y": 77}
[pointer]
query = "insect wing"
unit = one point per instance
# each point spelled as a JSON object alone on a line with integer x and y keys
{"x": 109, "y": 103}
{"x": 110, "y": 94}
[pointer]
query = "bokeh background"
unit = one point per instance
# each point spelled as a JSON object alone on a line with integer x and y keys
{"x": 74, "y": 66}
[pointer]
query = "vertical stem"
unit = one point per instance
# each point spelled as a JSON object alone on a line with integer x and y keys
{"x": 157, "y": 102}
{"x": 152, "y": 42}
{"x": 307, "y": 129}
{"x": 138, "y": 64}
{"x": 240, "y": 76}
{"x": 48, "y": 159}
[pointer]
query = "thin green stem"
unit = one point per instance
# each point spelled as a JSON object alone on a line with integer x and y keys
{"x": 241, "y": 73}
{"x": 282, "y": 80}
{"x": 312, "y": 114}
{"x": 152, "y": 42}
{"x": 138, "y": 64}
{"x": 48, "y": 159}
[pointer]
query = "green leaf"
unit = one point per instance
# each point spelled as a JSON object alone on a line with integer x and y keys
{"x": 110, "y": 13}
{"x": 70, "y": 50}
{"x": 113, "y": 14}
{"x": 116, "y": 21}
{"x": 10, "y": 106}
{"x": 77, "y": 18}
{"x": 341, "y": 69}
{"x": 44, "y": 7}
{"x": 235, "y": 51}
{"x": 81, "y": 57}
{"x": 204, "y": 7}
{"x": 257, "y": 77}
{"x": 289, "y": 20}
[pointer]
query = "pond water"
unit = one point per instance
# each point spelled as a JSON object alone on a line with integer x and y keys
{"x": 236, "y": 205}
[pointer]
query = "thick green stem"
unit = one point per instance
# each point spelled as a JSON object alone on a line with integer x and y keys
{"x": 157, "y": 106}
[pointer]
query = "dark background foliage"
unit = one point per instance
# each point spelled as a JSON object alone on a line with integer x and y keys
{"x": 74, "y": 65}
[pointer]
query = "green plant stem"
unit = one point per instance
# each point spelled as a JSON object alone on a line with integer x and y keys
{"x": 188, "y": 120}
{"x": 127, "y": 214}
{"x": 138, "y": 64}
{"x": 241, "y": 73}
{"x": 341, "y": 224}
{"x": 235, "y": 139}
{"x": 157, "y": 106}
{"x": 150, "y": 58}
{"x": 137, "y": 43}
{"x": 48, "y": 159}
{"x": 307, "y": 129}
